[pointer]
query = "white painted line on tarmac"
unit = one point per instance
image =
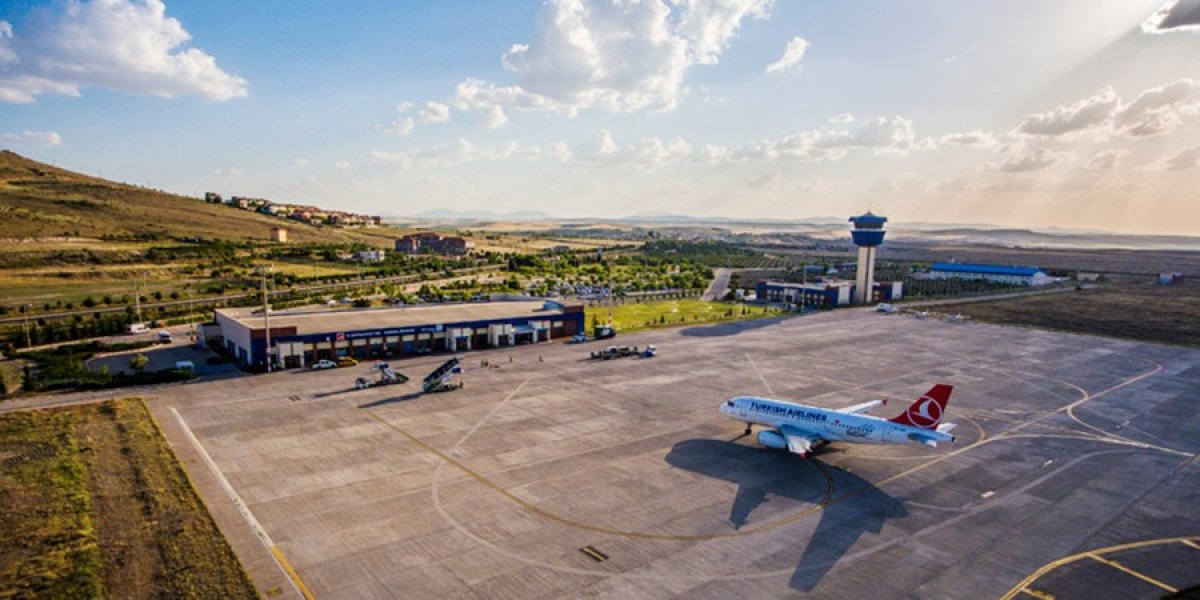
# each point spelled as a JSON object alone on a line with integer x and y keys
{"x": 242, "y": 508}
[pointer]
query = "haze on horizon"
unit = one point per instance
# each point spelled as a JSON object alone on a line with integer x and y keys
{"x": 1071, "y": 114}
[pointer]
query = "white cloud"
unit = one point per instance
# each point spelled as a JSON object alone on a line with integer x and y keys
{"x": 1158, "y": 110}
{"x": 434, "y": 112}
{"x": 493, "y": 117}
{"x": 42, "y": 139}
{"x": 610, "y": 55}
{"x": 116, "y": 44}
{"x": 1105, "y": 160}
{"x": 970, "y": 139}
{"x": 299, "y": 162}
{"x": 842, "y": 119}
{"x": 1085, "y": 114}
{"x": 560, "y": 151}
{"x": 1175, "y": 15}
{"x": 1184, "y": 159}
{"x": 342, "y": 165}
{"x": 400, "y": 127}
{"x": 404, "y": 107}
{"x": 792, "y": 55}
{"x": 1153, "y": 112}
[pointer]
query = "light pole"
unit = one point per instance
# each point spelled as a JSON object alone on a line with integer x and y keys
{"x": 266, "y": 316}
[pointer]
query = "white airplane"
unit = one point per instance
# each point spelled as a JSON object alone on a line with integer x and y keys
{"x": 799, "y": 428}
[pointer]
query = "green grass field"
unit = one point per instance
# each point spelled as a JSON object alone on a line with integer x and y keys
{"x": 672, "y": 313}
{"x": 95, "y": 505}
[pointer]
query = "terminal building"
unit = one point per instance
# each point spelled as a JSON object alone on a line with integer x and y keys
{"x": 300, "y": 338}
{"x": 1000, "y": 274}
{"x": 825, "y": 294}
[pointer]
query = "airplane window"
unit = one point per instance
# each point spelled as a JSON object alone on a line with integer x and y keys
{"x": 729, "y": 404}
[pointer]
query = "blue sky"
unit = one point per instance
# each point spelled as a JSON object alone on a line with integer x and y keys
{"x": 1069, "y": 113}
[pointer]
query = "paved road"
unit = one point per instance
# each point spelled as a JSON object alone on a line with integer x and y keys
{"x": 414, "y": 279}
{"x": 1005, "y": 296}
{"x": 719, "y": 285}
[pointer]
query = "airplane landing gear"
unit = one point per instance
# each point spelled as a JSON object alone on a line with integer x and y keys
{"x": 747, "y": 432}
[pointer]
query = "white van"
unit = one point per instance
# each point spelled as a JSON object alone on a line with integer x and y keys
{"x": 185, "y": 365}
{"x": 137, "y": 328}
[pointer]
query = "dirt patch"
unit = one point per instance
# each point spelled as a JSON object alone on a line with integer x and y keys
{"x": 1166, "y": 314}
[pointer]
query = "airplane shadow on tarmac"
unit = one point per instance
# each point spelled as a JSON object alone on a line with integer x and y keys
{"x": 856, "y": 507}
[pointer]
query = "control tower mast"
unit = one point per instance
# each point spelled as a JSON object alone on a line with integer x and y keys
{"x": 868, "y": 235}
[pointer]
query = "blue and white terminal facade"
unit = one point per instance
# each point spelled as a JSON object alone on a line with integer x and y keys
{"x": 299, "y": 338}
{"x": 1030, "y": 276}
{"x": 825, "y": 294}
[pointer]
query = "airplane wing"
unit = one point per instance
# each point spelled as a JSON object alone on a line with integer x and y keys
{"x": 861, "y": 409}
{"x": 799, "y": 441}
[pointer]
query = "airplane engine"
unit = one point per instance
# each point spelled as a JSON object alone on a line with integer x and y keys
{"x": 771, "y": 439}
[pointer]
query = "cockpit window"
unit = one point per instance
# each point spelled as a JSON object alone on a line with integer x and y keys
{"x": 729, "y": 404}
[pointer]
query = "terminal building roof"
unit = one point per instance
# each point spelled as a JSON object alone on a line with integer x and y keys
{"x": 312, "y": 321}
{"x": 986, "y": 269}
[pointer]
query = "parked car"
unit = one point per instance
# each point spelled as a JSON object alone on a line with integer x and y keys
{"x": 346, "y": 361}
{"x": 324, "y": 364}
{"x": 579, "y": 338}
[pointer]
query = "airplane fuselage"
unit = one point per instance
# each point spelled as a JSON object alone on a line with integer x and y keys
{"x": 830, "y": 425}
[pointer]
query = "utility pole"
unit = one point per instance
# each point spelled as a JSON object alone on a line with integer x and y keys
{"x": 137, "y": 297}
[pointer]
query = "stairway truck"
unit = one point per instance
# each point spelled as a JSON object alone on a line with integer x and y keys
{"x": 442, "y": 378}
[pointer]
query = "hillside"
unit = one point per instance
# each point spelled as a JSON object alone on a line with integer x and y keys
{"x": 38, "y": 200}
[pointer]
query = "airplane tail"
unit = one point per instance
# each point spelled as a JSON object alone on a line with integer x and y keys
{"x": 926, "y": 412}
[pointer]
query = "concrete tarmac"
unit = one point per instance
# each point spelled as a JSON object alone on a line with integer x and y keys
{"x": 556, "y": 476}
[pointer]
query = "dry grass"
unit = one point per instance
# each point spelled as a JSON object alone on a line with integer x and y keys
{"x": 96, "y": 505}
{"x": 1140, "y": 311}
{"x": 39, "y": 200}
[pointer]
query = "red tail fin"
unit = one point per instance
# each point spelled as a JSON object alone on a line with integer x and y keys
{"x": 927, "y": 411}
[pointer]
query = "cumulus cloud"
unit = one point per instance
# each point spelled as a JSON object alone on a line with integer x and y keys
{"x": 41, "y": 139}
{"x": 1184, "y": 159}
{"x": 1175, "y": 15}
{"x": 400, "y": 127}
{"x": 791, "y": 55}
{"x": 493, "y": 117}
{"x": 342, "y": 165}
{"x": 603, "y": 149}
{"x": 1085, "y": 114}
{"x": 434, "y": 112}
{"x": 842, "y": 119}
{"x": 880, "y": 135}
{"x": 404, "y": 107}
{"x": 1152, "y": 112}
{"x": 610, "y": 55}
{"x": 1158, "y": 110}
{"x": 124, "y": 45}
{"x": 970, "y": 139}
{"x": 1105, "y": 160}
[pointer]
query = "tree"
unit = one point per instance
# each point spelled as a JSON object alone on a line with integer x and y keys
{"x": 139, "y": 362}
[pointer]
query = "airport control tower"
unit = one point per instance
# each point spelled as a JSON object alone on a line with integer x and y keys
{"x": 868, "y": 235}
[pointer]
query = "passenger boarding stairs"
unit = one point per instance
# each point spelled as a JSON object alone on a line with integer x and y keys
{"x": 440, "y": 379}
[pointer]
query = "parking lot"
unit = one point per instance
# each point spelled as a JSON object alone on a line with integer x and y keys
{"x": 552, "y": 475}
